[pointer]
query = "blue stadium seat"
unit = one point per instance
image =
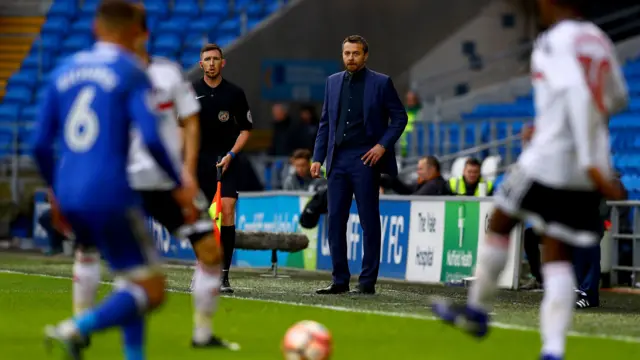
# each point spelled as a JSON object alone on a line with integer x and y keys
{"x": 202, "y": 25}
{"x": 240, "y": 5}
{"x": 48, "y": 42}
{"x": 36, "y": 60}
{"x": 40, "y": 92}
{"x": 156, "y": 8}
{"x": 255, "y": 11}
{"x": 215, "y": 9}
{"x": 188, "y": 59}
{"x": 167, "y": 53}
{"x": 77, "y": 42}
{"x": 634, "y": 105}
{"x": 84, "y": 24}
{"x": 9, "y": 113}
{"x": 194, "y": 43}
{"x": 89, "y": 7}
{"x": 29, "y": 113}
{"x": 55, "y": 25}
{"x": 229, "y": 28}
{"x": 63, "y": 8}
{"x": 252, "y": 23}
{"x": 273, "y": 7}
{"x": 19, "y": 95}
{"x": 175, "y": 25}
{"x": 167, "y": 42}
{"x": 187, "y": 8}
{"x": 26, "y": 78}
{"x": 634, "y": 88}
{"x": 223, "y": 41}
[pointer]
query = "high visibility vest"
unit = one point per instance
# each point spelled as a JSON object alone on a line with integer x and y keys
{"x": 458, "y": 187}
{"x": 411, "y": 118}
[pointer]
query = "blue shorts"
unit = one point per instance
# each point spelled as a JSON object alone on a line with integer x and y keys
{"x": 121, "y": 237}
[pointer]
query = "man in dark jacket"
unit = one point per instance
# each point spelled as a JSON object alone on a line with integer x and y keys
{"x": 430, "y": 180}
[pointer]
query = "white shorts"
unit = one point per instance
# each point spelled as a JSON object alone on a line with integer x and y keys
{"x": 572, "y": 216}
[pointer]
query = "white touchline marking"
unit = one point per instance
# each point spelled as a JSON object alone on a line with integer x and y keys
{"x": 626, "y": 339}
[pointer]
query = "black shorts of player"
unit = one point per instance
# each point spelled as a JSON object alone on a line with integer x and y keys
{"x": 208, "y": 179}
{"x": 162, "y": 206}
{"x": 571, "y": 216}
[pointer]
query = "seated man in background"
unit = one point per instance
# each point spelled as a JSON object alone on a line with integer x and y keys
{"x": 470, "y": 182}
{"x": 300, "y": 179}
{"x": 430, "y": 180}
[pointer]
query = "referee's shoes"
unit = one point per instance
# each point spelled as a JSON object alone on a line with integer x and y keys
{"x": 226, "y": 286}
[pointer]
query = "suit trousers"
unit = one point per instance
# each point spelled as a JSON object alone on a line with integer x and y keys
{"x": 349, "y": 176}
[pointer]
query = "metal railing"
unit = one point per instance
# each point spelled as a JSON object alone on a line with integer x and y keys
{"x": 617, "y": 236}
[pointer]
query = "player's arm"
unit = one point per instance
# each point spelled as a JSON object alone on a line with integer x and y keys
{"x": 582, "y": 74}
{"x": 322, "y": 137}
{"x": 244, "y": 121}
{"x": 397, "y": 115}
{"x": 189, "y": 112}
{"x": 44, "y": 135}
{"x": 142, "y": 106}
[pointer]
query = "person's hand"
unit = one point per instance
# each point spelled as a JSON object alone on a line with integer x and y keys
{"x": 224, "y": 163}
{"x": 316, "y": 171}
{"x": 57, "y": 220}
{"x": 373, "y": 156}
{"x": 615, "y": 191}
{"x": 527, "y": 133}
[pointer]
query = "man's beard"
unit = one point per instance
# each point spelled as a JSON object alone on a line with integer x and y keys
{"x": 211, "y": 75}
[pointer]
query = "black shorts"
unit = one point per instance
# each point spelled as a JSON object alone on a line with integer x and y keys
{"x": 572, "y": 216}
{"x": 162, "y": 206}
{"x": 208, "y": 179}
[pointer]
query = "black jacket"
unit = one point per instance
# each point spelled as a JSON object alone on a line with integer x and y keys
{"x": 433, "y": 187}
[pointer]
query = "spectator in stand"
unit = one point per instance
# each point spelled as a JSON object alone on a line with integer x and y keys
{"x": 300, "y": 179}
{"x": 281, "y": 144}
{"x": 303, "y": 134}
{"x": 470, "y": 182}
{"x": 414, "y": 108}
{"x": 430, "y": 181}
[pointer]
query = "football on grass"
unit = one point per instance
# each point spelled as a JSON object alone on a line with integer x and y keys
{"x": 307, "y": 340}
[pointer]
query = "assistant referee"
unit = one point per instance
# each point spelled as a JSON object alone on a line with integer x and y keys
{"x": 225, "y": 125}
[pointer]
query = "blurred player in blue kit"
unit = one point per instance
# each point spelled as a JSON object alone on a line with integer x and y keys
{"x": 90, "y": 106}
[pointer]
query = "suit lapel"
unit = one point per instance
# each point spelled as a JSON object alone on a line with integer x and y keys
{"x": 368, "y": 88}
{"x": 335, "y": 96}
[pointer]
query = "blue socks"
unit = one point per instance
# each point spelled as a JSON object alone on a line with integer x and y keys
{"x": 133, "y": 336}
{"x": 119, "y": 309}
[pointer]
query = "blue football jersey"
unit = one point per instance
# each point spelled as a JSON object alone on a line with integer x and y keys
{"x": 90, "y": 106}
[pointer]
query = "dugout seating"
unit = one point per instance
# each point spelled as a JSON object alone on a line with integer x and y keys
{"x": 178, "y": 30}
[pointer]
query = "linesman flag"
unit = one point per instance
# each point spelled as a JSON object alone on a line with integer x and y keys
{"x": 215, "y": 210}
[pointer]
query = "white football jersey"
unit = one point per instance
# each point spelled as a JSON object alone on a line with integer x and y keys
{"x": 176, "y": 99}
{"x": 577, "y": 84}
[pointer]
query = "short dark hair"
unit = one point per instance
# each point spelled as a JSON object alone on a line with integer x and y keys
{"x": 472, "y": 162}
{"x": 118, "y": 12}
{"x": 301, "y": 154}
{"x": 210, "y": 47}
{"x": 357, "y": 39}
{"x": 142, "y": 13}
{"x": 433, "y": 162}
{"x": 581, "y": 6}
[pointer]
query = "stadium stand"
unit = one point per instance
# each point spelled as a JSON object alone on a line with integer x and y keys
{"x": 178, "y": 30}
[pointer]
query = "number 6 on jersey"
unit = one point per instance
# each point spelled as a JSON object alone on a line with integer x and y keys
{"x": 82, "y": 125}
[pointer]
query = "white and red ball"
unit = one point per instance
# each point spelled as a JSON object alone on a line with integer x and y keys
{"x": 307, "y": 340}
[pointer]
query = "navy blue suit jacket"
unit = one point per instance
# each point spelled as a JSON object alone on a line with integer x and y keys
{"x": 384, "y": 117}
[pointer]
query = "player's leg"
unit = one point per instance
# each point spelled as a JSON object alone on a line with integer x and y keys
{"x": 492, "y": 258}
{"x": 139, "y": 288}
{"x": 572, "y": 221}
{"x": 207, "y": 276}
{"x": 86, "y": 277}
{"x": 556, "y": 310}
{"x": 228, "y": 228}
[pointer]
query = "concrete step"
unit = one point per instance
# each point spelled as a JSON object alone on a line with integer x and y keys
{"x": 19, "y": 29}
{"x": 17, "y": 40}
{"x": 15, "y": 48}
{"x": 11, "y": 57}
{"x": 22, "y": 20}
{"x": 10, "y": 65}
{"x": 5, "y": 73}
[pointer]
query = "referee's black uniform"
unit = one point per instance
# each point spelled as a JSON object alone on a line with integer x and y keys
{"x": 224, "y": 113}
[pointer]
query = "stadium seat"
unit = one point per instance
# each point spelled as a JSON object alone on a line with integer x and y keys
{"x": 188, "y": 59}
{"x": 29, "y": 113}
{"x": 167, "y": 53}
{"x": 229, "y": 28}
{"x": 19, "y": 95}
{"x": 84, "y": 24}
{"x": 223, "y": 41}
{"x": 63, "y": 8}
{"x": 490, "y": 167}
{"x": 458, "y": 166}
{"x": 9, "y": 113}
{"x": 89, "y": 7}
{"x": 194, "y": 43}
{"x": 273, "y": 7}
{"x": 55, "y": 25}
{"x": 202, "y": 25}
{"x": 174, "y": 25}
{"x": 187, "y": 8}
{"x": 252, "y": 23}
{"x": 157, "y": 9}
{"x": 48, "y": 42}
{"x": 215, "y": 9}
{"x": 77, "y": 42}
{"x": 27, "y": 78}
{"x": 167, "y": 42}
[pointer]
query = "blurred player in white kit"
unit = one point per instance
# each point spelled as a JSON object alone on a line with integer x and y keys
{"x": 559, "y": 180}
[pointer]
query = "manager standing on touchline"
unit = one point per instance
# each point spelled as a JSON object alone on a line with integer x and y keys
{"x": 362, "y": 118}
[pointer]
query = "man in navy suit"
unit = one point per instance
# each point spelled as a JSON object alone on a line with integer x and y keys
{"x": 362, "y": 118}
